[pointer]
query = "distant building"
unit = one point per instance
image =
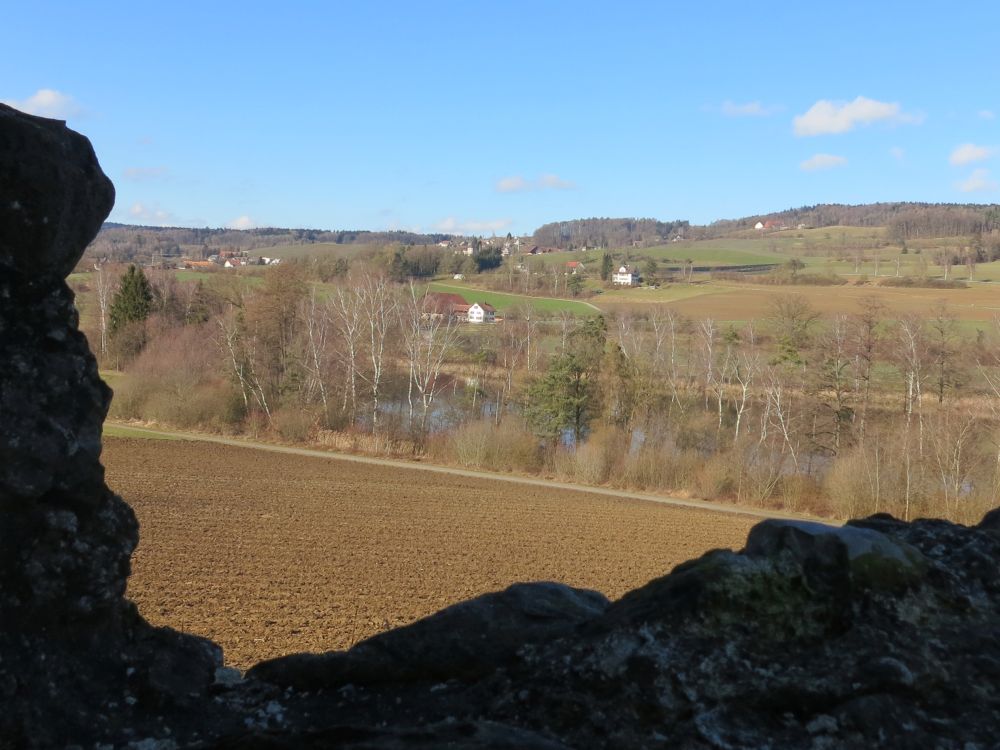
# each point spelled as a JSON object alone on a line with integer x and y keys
{"x": 481, "y": 312}
{"x": 626, "y": 276}
{"x": 199, "y": 265}
{"x": 759, "y": 226}
{"x": 445, "y": 303}
{"x": 574, "y": 267}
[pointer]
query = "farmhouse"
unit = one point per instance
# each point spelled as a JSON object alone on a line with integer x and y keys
{"x": 481, "y": 312}
{"x": 445, "y": 303}
{"x": 574, "y": 267}
{"x": 626, "y": 276}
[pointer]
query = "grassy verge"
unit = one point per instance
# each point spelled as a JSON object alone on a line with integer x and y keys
{"x": 121, "y": 431}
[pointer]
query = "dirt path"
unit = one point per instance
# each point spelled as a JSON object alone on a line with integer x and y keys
{"x": 124, "y": 429}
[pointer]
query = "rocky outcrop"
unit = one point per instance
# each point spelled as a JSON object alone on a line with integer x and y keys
{"x": 878, "y": 634}
{"x": 76, "y": 660}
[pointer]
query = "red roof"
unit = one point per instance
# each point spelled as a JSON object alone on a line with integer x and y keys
{"x": 444, "y": 302}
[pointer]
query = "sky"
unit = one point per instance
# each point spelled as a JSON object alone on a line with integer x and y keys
{"x": 489, "y": 117}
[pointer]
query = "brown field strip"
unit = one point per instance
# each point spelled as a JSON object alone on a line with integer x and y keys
{"x": 980, "y": 302}
{"x": 268, "y": 553}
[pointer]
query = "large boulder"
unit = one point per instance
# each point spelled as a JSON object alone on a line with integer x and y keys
{"x": 53, "y": 195}
{"x": 77, "y": 663}
{"x": 465, "y": 641}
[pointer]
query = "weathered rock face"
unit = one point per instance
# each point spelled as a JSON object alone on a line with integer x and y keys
{"x": 76, "y": 661}
{"x": 53, "y": 195}
{"x": 880, "y": 634}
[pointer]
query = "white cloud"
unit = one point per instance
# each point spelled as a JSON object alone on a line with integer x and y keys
{"x": 826, "y": 117}
{"x": 242, "y": 222}
{"x": 897, "y": 153}
{"x": 968, "y": 153}
{"x": 987, "y": 114}
{"x": 47, "y": 103}
{"x": 514, "y": 184}
{"x": 978, "y": 181}
{"x": 451, "y": 225}
{"x": 822, "y": 161}
{"x": 150, "y": 214}
{"x": 554, "y": 182}
{"x": 750, "y": 109}
{"x": 140, "y": 174}
{"x": 518, "y": 184}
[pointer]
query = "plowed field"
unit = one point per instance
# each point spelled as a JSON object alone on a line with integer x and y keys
{"x": 267, "y": 553}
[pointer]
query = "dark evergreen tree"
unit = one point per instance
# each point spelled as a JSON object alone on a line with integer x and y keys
{"x": 607, "y": 266}
{"x": 133, "y": 301}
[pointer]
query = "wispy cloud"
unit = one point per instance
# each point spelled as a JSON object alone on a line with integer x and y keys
{"x": 451, "y": 225}
{"x": 148, "y": 214}
{"x": 242, "y": 222}
{"x": 979, "y": 181}
{"x": 987, "y": 114}
{"x": 518, "y": 184}
{"x": 143, "y": 174}
{"x": 749, "y": 109}
{"x": 822, "y": 161}
{"x": 897, "y": 153}
{"x": 827, "y": 117}
{"x": 47, "y": 103}
{"x": 969, "y": 153}
{"x": 513, "y": 184}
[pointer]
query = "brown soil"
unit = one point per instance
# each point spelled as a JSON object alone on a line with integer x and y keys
{"x": 268, "y": 554}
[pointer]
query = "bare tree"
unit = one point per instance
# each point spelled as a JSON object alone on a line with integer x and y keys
{"x": 428, "y": 338}
{"x": 105, "y": 288}
{"x": 912, "y": 355}
{"x": 317, "y": 324}
{"x": 345, "y": 311}
{"x": 864, "y": 346}
{"x": 241, "y": 349}
{"x": 745, "y": 369}
{"x": 780, "y": 415}
{"x": 378, "y": 310}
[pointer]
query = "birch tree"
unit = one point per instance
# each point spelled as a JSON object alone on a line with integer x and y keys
{"x": 428, "y": 338}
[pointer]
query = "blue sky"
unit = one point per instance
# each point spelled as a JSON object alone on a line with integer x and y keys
{"x": 478, "y": 117}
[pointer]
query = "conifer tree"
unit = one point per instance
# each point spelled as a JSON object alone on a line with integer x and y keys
{"x": 133, "y": 300}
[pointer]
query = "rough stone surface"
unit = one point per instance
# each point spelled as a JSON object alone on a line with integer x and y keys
{"x": 77, "y": 663}
{"x": 880, "y": 634}
{"x": 464, "y": 641}
{"x": 53, "y": 194}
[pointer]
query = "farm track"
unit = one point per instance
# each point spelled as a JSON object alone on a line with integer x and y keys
{"x": 280, "y": 550}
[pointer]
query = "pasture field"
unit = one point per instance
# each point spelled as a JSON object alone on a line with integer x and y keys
{"x": 503, "y": 301}
{"x": 268, "y": 553}
{"x": 978, "y": 304}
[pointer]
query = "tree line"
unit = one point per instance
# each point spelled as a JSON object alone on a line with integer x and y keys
{"x": 847, "y": 415}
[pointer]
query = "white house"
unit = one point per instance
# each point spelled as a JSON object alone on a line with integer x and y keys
{"x": 759, "y": 226}
{"x": 481, "y": 312}
{"x": 626, "y": 276}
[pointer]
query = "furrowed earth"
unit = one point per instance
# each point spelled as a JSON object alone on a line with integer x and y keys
{"x": 269, "y": 553}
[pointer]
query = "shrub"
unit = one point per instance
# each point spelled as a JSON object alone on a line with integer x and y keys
{"x": 293, "y": 424}
{"x": 918, "y": 283}
{"x": 509, "y": 446}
